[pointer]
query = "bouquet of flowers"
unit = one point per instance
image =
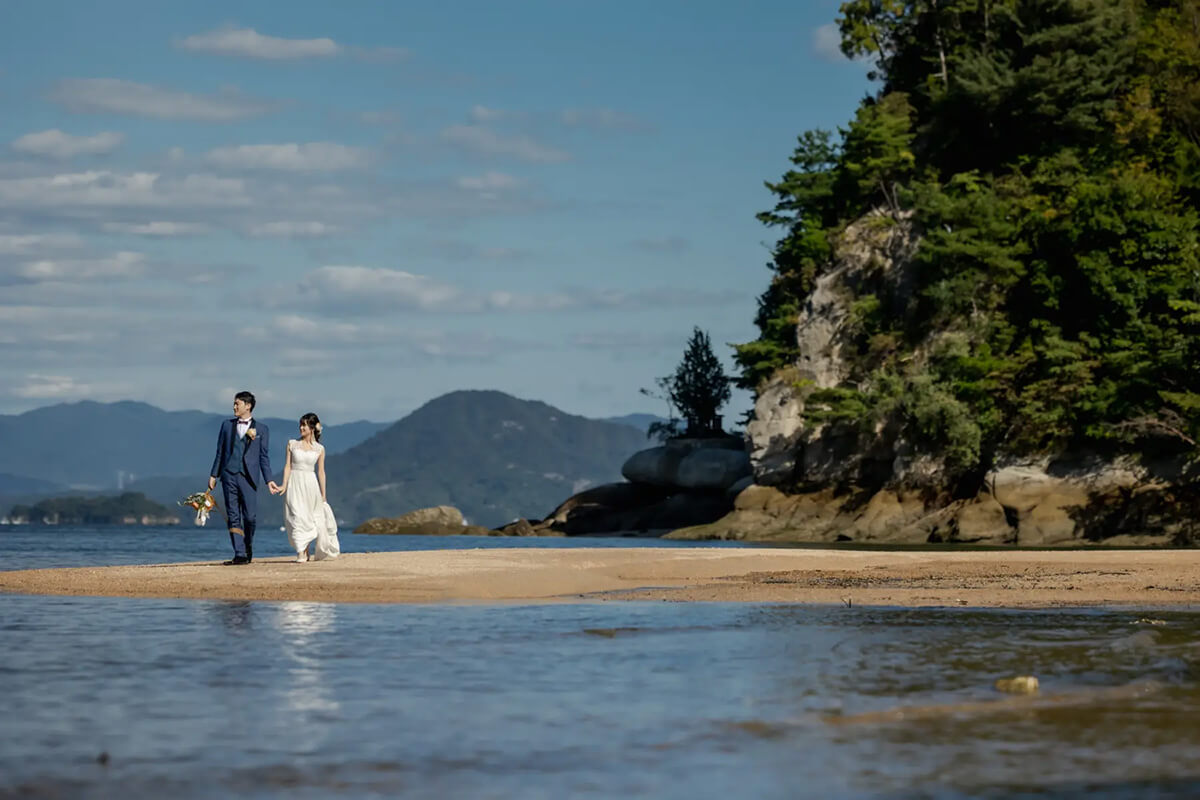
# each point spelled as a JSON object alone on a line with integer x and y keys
{"x": 203, "y": 502}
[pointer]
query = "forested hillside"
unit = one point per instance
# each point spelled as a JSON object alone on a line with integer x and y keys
{"x": 1046, "y": 154}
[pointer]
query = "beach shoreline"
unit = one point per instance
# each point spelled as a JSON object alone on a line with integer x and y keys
{"x": 908, "y": 578}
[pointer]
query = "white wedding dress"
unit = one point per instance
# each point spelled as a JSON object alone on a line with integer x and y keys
{"x": 306, "y": 517}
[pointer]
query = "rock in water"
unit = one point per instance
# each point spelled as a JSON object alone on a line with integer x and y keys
{"x": 1020, "y": 684}
{"x": 436, "y": 521}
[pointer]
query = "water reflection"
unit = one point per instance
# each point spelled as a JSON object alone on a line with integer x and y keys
{"x": 308, "y": 685}
{"x": 290, "y": 700}
{"x": 235, "y": 615}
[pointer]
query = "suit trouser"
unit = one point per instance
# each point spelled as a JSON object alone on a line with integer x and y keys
{"x": 241, "y": 507}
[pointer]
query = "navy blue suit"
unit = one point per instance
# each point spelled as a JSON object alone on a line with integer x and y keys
{"x": 240, "y": 479}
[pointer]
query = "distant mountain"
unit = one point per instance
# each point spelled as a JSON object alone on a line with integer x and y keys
{"x": 491, "y": 455}
{"x": 19, "y": 484}
{"x": 110, "y": 445}
{"x": 640, "y": 421}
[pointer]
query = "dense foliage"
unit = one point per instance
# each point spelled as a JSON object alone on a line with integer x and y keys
{"x": 1048, "y": 154}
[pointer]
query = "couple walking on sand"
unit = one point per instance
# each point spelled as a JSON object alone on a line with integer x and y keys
{"x": 243, "y": 463}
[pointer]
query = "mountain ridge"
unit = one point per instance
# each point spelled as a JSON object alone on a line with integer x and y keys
{"x": 491, "y": 455}
{"x": 98, "y": 446}
{"x": 455, "y": 449}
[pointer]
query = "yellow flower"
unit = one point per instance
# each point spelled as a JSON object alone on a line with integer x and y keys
{"x": 251, "y": 433}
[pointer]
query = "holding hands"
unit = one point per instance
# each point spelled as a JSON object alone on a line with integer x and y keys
{"x": 275, "y": 488}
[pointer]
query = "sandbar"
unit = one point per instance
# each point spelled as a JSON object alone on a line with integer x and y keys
{"x": 910, "y": 578}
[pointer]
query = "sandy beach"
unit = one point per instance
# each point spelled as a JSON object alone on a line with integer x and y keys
{"x": 1016, "y": 579}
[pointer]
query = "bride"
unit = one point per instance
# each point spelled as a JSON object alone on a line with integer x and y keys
{"x": 306, "y": 515}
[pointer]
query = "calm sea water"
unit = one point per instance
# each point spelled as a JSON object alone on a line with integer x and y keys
{"x": 192, "y": 699}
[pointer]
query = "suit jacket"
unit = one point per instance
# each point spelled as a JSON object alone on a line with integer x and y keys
{"x": 256, "y": 459}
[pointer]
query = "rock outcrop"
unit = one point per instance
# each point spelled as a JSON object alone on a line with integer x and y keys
{"x": 435, "y": 521}
{"x": 827, "y": 482}
{"x": 682, "y": 483}
{"x": 704, "y": 464}
{"x": 1029, "y": 504}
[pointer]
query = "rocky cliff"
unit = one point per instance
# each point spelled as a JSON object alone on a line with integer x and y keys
{"x": 817, "y": 478}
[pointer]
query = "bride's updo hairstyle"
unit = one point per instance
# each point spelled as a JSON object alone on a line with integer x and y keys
{"x": 310, "y": 419}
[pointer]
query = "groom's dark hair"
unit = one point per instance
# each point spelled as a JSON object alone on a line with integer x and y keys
{"x": 245, "y": 397}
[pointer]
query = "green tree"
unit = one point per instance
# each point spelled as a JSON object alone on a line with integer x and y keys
{"x": 1047, "y": 152}
{"x": 698, "y": 388}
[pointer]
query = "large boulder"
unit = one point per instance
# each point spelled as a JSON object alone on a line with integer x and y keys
{"x": 435, "y": 521}
{"x": 524, "y": 527}
{"x": 690, "y": 464}
{"x": 635, "y": 509}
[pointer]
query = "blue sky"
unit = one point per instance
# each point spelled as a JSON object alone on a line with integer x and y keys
{"x": 353, "y": 209}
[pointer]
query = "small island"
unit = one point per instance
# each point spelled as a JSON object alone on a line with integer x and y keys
{"x": 130, "y": 508}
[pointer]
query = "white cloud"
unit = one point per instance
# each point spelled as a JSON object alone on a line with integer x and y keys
{"x": 386, "y": 287}
{"x": 51, "y": 387}
{"x": 310, "y": 157}
{"x": 156, "y": 228}
{"x": 124, "y": 264}
{"x": 292, "y": 230}
{"x": 102, "y": 188}
{"x": 484, "y": 114}
{"x": 249, "y": 43}
{"x": 465, "y": 346}
{"x": 112, "y": 96}
{"x": 303, "y": 342}
{"x": 468, "y": 251}
{"x": 477, "y": 139}
{"x": 27, "y": 244}
{"x": 357, "y": 289}
{"x": 295, "y": 326}
{"x": 488, "y": 182}
{"x": 56, "y": 144}
{"x": 827, "y": 43}
{"x": 624, "y": 340}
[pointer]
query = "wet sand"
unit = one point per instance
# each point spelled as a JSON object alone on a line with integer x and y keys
{"x": 1014, "y": 579}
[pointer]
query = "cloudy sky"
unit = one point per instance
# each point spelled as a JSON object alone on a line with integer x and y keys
{"x": 353, "y": 208}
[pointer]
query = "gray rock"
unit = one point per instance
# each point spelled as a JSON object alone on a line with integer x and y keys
{"x": 436, "y": 521}
{"x": 712, "y": 469}
{"x": 636, "y": 508}
{"x": 775, "y": 433}
{"x": 689, "y": 464}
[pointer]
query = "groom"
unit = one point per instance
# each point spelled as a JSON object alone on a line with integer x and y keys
{"x": 243, "y": 454}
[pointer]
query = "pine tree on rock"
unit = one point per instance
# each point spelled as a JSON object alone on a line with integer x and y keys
{"x": 699, "y": 386}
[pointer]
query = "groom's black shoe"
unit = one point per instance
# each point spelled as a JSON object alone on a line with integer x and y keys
{"x": 237, "y": 560}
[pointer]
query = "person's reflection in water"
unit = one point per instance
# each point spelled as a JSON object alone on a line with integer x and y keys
{"x": 301, "y": 624}
{"x": 236, "y": 615}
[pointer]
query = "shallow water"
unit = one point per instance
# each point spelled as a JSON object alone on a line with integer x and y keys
{"x": 29, "y": 547}
{"x": 284, "y": 700}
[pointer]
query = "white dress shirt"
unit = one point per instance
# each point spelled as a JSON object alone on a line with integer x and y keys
{"x": 243, "y": 425}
